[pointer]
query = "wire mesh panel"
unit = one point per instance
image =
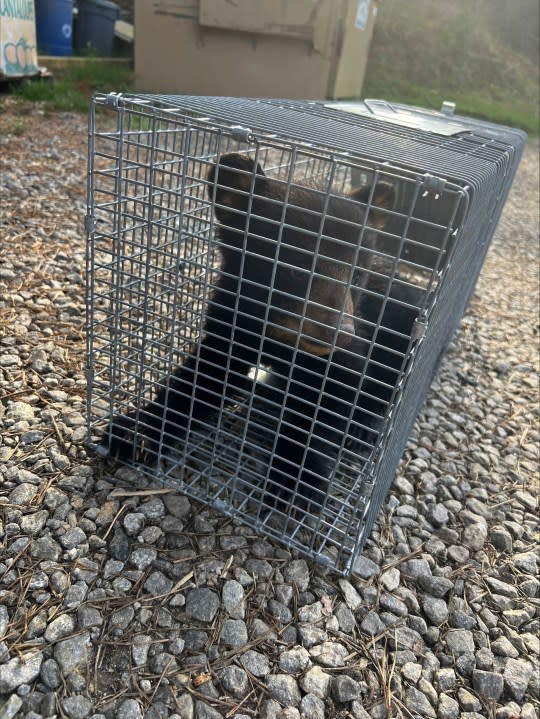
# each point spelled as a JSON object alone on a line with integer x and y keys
{"x": 270, "y": 287}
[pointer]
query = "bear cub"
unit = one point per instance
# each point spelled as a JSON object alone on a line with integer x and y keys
{"x": 304, "y": 292}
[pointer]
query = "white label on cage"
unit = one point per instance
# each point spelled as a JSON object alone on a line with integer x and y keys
{"x": 362, "y": 14}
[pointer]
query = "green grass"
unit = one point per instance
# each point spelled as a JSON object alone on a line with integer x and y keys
{"x": 427, "y": 51}
{"x": 72, "y": 88}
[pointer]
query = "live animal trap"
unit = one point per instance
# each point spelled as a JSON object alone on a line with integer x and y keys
{"x": 270, "y": 287}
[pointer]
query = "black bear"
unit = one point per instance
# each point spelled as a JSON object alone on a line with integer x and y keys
{"x": 302, "y": 290}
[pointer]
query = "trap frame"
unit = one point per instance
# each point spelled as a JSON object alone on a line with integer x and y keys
{"x": 153, "y": 264}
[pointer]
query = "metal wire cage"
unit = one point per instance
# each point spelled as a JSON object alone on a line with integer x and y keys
{"x": 270, "y": 287}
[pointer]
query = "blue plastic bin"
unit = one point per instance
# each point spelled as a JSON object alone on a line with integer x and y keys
{"x": 94, "y": 32}
{"x": 54, "y": 22}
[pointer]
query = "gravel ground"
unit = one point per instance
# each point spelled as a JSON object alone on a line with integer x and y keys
{"x": 139, "y": 603}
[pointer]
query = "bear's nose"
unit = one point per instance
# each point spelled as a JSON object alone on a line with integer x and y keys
{"x": 346, "y": 332}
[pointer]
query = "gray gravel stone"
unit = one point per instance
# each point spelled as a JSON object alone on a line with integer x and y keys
{"x": 233, "y": 599}
{"x": 448, "y": 708}
{"x": 528, "y": 711}
{"x": 20, "y": 411}
{"x": 316, "y": 681}
{"x": 436, "y": 610}
{"x": 516, "y": 617}
{"x": 499, "y": 587}
{"x": 345, "y": 618}
{"x": 4, "y": 619}
{"x": 294, "y": 660}
{"x": 445, "y": 679}
{"x": 75, "y": 595}
{"x": 72, "y": 654}
{"x": 143, "y": 557}
{"x": 22, "y": 494}
{"x": 202, "y": 604}
{"x": 411, "y": 671}
{"x": 50, "y": 674}
{"x": 262, "y": 629}
{"x": 526, "y": 561}
{"x": 458, "y": 554}
{"x": 20, "y": 670}
{"x": 311, "y": 634}
{"x": 530, "y": 587}
{"x": 358, "y": 710}
{"x": 488, "y": 684}
{"x": 390, "y": 579}
{"x": 234, "y": 680}
{"x": 122, "y": 618}
{"x": 60, "y": 627}
{"x": 45, "y": 548}
{"x": 205, "y": 711}
{"x": 33, "y": 523}
{"x": 119, "y": 545}
{"x": 372, "y": 624}
{"x": 234, "y": 633}
{"x": 184, "y": 706}
{"x": 310, "y": 613}
{"x": 467, "y": 701}
{"x": 393, "y": 604}
{"x": 284, "y": 689}
{"x": 280, "y": 611}
{"x": 329, "y": 654}
{"x": 262, "y": 569}
{"x": 418, "y": 703}
{"x": 139, "y": 650}
{"x": 475, "y": 536}
{"x": 437, "y": 514}
{"x": 517, "y": 675}
{"x": 10, "y": 707}
{"x": 344, "y": 689}
{"x": 176, "y": 646}
{"x": 270, "y": 709}
{"x": 465, "y": 663}
{"x": 435, "y": 586}
{"x": 416, "y": 568}
{"x": 406, "y": 638}
{"x": 77, "y": 706}
{"x": 256, "y": 663}
{"x": 501, "y": 539}
{"x": 297, "y": 573}
{"x": 365, "y": 568}
{"x": 352, "y": 599}
{"x": 88, "y": 616}
{"x": 133, "y": 522}
{"x": 158, "y": 584}
{"x": 459, "y": 641}
{"x": 311, "y": 707}
{"x": 177, "y": 505}
{"x": 503, "y": 647}
{"x": 484, "y": 659}
{"x": 508, "y": 711}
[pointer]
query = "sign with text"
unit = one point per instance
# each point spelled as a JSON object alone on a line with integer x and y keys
{"x": 18, "y": 54}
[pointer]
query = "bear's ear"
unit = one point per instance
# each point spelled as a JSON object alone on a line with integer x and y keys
{"x": 384, "y": 198}
{"x": 232, "y": 178}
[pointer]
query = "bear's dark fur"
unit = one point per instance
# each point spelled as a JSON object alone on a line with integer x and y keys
{"x": 301, "y": 290}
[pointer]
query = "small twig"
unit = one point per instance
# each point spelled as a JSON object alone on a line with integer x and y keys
{"x": 111, "y": 525}
{"x": 140, "y": 492}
